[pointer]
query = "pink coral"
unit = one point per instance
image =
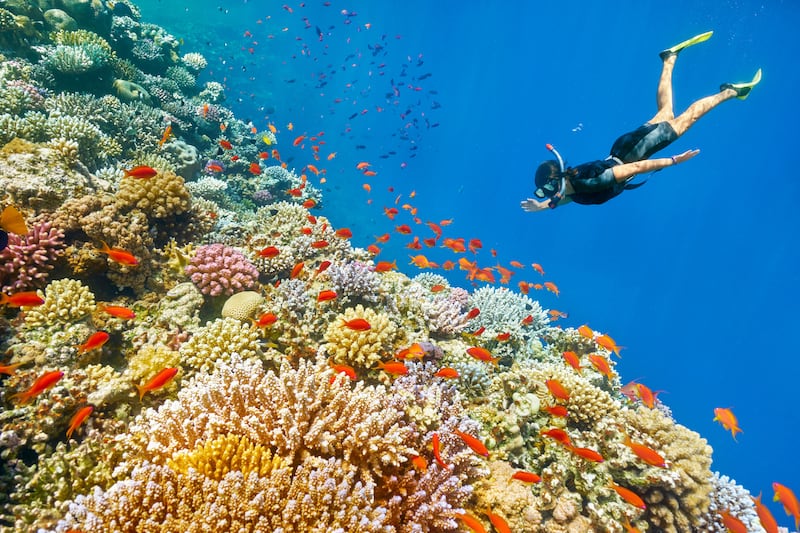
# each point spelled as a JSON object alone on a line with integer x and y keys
{"x": 217, "y": 269}
{"x": 27, "y": 260}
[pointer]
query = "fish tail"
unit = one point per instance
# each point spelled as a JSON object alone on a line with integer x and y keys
{"x": 23, "y": 397}
{"x": 3, "y": 298}
{"x": 142, "y": 390}
{"x": 69, "y": 431}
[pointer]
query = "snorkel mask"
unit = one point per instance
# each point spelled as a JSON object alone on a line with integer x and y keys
{"x": 554, "y": 187}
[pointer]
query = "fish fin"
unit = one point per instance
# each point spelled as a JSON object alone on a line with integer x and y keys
{"x": 12, "y": 221}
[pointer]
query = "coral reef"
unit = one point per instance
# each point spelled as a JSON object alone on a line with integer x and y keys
{"x": 357, "y": 347}
{"x": 27, "y": 260}
{"x": 217, "y": 269}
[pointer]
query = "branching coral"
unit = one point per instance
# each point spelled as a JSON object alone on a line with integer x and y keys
{"x": 65, "y": 300}
{"x": 361, "y": 348}
{"x": 27, "y": 260}
{"x": 217, "y": 269}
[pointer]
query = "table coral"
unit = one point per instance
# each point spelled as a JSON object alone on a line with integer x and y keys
{"x": 217, "y": 269}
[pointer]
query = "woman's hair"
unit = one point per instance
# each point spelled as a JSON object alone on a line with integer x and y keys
{"x": 547, "y": 171}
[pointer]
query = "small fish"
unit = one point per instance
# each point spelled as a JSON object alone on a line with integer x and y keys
{"x": 475, "y": 445}
{"x": 157, "y": 381}
{"x": 447, "y": 373}
{"x": 326, "y": 295}
{"x": 370, "y": 173}
{"x": 166, "y": 135}
{"x": 538, "y": 268}
{"x": 357, "y": 324}
{"x": 550, "y": 286}
{"x": 572, "y": 360}
{"x": 323, "y": 266}
{"x": 141, "y": 172}
{"x": 768, "y": 521}
{"x": 308, "y": 204}
{"x": 255, "y": 169}
{"x": 586, "y": 453}
{"x": 396, "y": 368}
{"x": 299, "y": 139}
{"x": 526, "y": 477}
{"x": 42, "y": 383}
{"x": 117, "y": 311}
{"x": 21, "y": 299}
{"x": 731, "y": 523}
{"x": 503, "y": 337}
{"x": 420, "y": 463}
{"x": 608, "y": 343}
{"x": 473, "y": 313}
{"x": 78, "y": 419}
{"x": 436, "y": 451}
{"x": 385, "y": 266}
{"x": 482, "y": 354}
{"x": 478, "y": 332}
{"x": 269, "y": 252}
{"x": 601, "y": 364}
{"x": 96, "y": 340}
{"x": 119, "y": 255}
{"x": 296, "y": 270}
{"x": 347, "y": 370}
{"x": 319, "y": 244}
{"x": 471, "y": 522}
{"x": 9, "y": 370}
{"x": 225, "y": 144}
{"x": 728, "y": 420}
{"x": 362, "y": 165}
{"x": 499, "y": 523}
{"x": 557, "y": 410}
{"x": 647, "y": 396}
{"x": 266, "y": 319}
{"x": 648, "y": 455}
{"x": 557, "y": 434}
{"x": 557, "y": 389}
{"x": 628, "y": 495}
{"x": 528, "y": 320}
{"x": 785, "y": 495}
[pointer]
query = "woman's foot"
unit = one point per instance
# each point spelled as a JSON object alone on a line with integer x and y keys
{"x": 742, "y": 89}
{"x": 673, "y": 51}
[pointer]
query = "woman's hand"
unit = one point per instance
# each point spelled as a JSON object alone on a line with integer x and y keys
{"x": 685, "y": 156}
{"x": 531, "y": 206}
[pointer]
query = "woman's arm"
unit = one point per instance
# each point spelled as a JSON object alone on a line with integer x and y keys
{"x": 531, "y": 206}
{"x": 627, "y": 170}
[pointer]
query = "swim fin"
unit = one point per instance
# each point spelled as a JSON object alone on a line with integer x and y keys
{"x": 742, "y": 89}
{"x": 685, "y": 44}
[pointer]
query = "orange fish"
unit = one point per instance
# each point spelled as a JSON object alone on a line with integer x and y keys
{"x": 370, "y": 173}
{"x": 447, "y": 373}
{"x": 166, "y": 135}
{"x": 272, "y": 128}
{"x": 728, "y": 420}
{"x": 550, "y": 286}
{"x": 331, "y": 156}
{"x": 482, "y": 354}
{"x": 268, "y": 252}
{"x": 403, "y": 229}
{"x": 415, "y": 351}
{"x": 471, "y": 522}
{"x": 420, "y": 261}
{"x": 456, "y": 245}
{"x": 367, "y": 187}
{"x": 323, "y": 266}
{"x": 9, "y": 370}
{"x": 141, "y": 172}
{"x": 478, "y": 332}
{"x": 572, "y": 360}
{"x": 314, "y": 169}
{"x": 117, "y": 311}
{"x": 608, "y": 343}
{"x": 42, "y": 383}
{"x": 628, "y": 495}
{"x": 299, "y": 139}
{"x": 255, "y": 169}
{"x": 503, "y": 337}
{"x": 785, "y": 495}
{"x": 225, "y": 144}
{"x": 21, "y": 299}
{"x": 296, "y": 270}
{"x": 420, "y": 463}
{"x": 276, "y": 154}
{"x": 319, "y": 244}
{"x": 528, "y": 320}
{"x": 396, "y": 368}
{"x": 768, "y": 521}
{"x": 557, "y": 434}
{"x": 647, "y": 396}
{"x": 475, "y": 245}
{"x": 586, "y": 453}
{"x": 538, "y": 268}
{"x": 290, "y": 126}
{"x": 448, "y": 265}
{"x": 648, "y": 455}
{"x": 343, "y": 233}
{"x": 601, "y": 364}
{"x": 438, "y": 287}
{"x": 373, "y": 249}
{"x": 385, "y": 266}
{"x": 362, "y": 165}
{"x": 12, "y": 221}
{"x": 473, "y": 313}
{"x": 731, "y": 523}
{"x": 557, "y": 410}
{"x": 325, "y": 296}
{"x": 499, "y": 523}
{"x": 78, "y": 418}
{"x": 475, "y": 445}
{"x": 356, "y": 324}
{"x": 158, "y": 381}
{"x": 119, "y": 255}
{"x": 414, "y": 245}
{"x": 95, "y": 341}
{"x": 347, "y": 370}
{"x": 557, "y": 389}
{"x": 266, "y": 319}
{"x": 526, "y": 477}
{"x": 436, "y": 451}
{"x": 308, "y": 204}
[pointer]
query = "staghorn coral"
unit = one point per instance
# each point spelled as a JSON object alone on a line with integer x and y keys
{"x": 446, "y": 313}
{"x": 161, "y": 196}
{"x": 361, "y": 349}
{"x": 217, "y": 269}
{"x": 65, "y": 301}
{"x": 354, "y": 281}
{"x": 27, "y": 260}
{"x": 321, "y": 456}
{"x": 218, "y": 341}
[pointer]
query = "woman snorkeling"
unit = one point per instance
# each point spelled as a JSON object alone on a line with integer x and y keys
{"x": 599, "y": 181}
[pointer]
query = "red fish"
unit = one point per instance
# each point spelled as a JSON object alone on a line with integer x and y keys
{"x": 415, "y": 351}
{"x": 768, "y": 521}
{"x": 785, "y": 495}
{"x": 586, "y": 453}
{"x": 255, "y": 169}
{"x": 557, "y": 434}
{"x": 296, "y": 270}
{"x": 526, "y": 477}
{"x": 344, "y": 233}
{"x": 347, "y": 370}
{"x": 357, "y": 324}
{"x": 475, "y": 245}
{"x": 225, "y": 144}
{"x": 117, "y": 311}
{"x": 266, "y": 319}
{"x": 557, "y": 389}
{"x": 21, "y": 299}
{"x": 420, "y": 463}
{"x": 557, "y": 410}
{"x": 385, "y": 266}
{"x": 648, "y": 455}
{"x": 299, "y": 139}
{"x": 503, "y": 337}
{"x": 119, "y": 255}
{"x": 728, "y": 420}
{"x": 325, "y": 296}
{"x": 396, "y": 368}
{"x": 473, "y": 313}
{"x": 482, "y": 354}
{"x": 95, "y": 341}
{"x": 447, "y": 373}
{"x": 475, "y": 445}
{"x": 158, "y": 381}
{"x": 42, "y": 383}
{"x": 141, "y": 172}
{"x": 403, "y": 229}
{"x": 436, "y": 451}
{"x": 323, "y": 266}
{"x": 319, "y": 244}
{"x": 268, "y": 252}
{"x": 572, "y": 360}
{"x": 499, "y": 523}
{"x": 78, "y": 419}
{"x": 528, "y": 320}
{"x": 628, "y": 495}
{"x": 9, "y": 370}
{"x": 731, "y": 523}
{"x": 471, "y": 522}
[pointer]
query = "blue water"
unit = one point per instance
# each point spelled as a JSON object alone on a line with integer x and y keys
{"x": 696, "y": 273}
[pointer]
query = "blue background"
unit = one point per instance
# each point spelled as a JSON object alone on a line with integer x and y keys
{"x": 696, "y": 273}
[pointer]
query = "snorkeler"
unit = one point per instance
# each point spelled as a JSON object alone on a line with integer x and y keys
{"x": 599, "y": 181}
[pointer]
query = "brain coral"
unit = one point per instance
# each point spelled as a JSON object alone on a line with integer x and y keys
{"x": 361, "y": 349}
{"x": 161, "y": 196}
{"x": 262, "y": 451}
{"x": 217, "y": 269}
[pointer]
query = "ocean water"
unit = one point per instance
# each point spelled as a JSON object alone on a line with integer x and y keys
{"x": 695, "y": 274}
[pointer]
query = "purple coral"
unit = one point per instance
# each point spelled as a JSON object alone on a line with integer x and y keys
{"x": 262, "y": 197}
{"x": 217, "y": 269}
{"x": 27, "y": 260}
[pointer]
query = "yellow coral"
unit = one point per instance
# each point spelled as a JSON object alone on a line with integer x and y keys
{"x": 226, "y": 453}
{"x": 242, "y": 305}
{"x": 360, "y": 348}
{"x": 163, "y": 195}
{"x": 217, "y": 341}
{"x": 149, "y": 361}
{"x": 509, "y": 498}
{"x": 65, "y": 301}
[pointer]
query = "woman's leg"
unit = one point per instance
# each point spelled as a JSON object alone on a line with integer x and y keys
{"x": 686, "y": 120}
{"x": 664, "y": 92}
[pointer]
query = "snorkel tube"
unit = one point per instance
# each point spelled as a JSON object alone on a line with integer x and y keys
{"x": 563, "y": 186}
